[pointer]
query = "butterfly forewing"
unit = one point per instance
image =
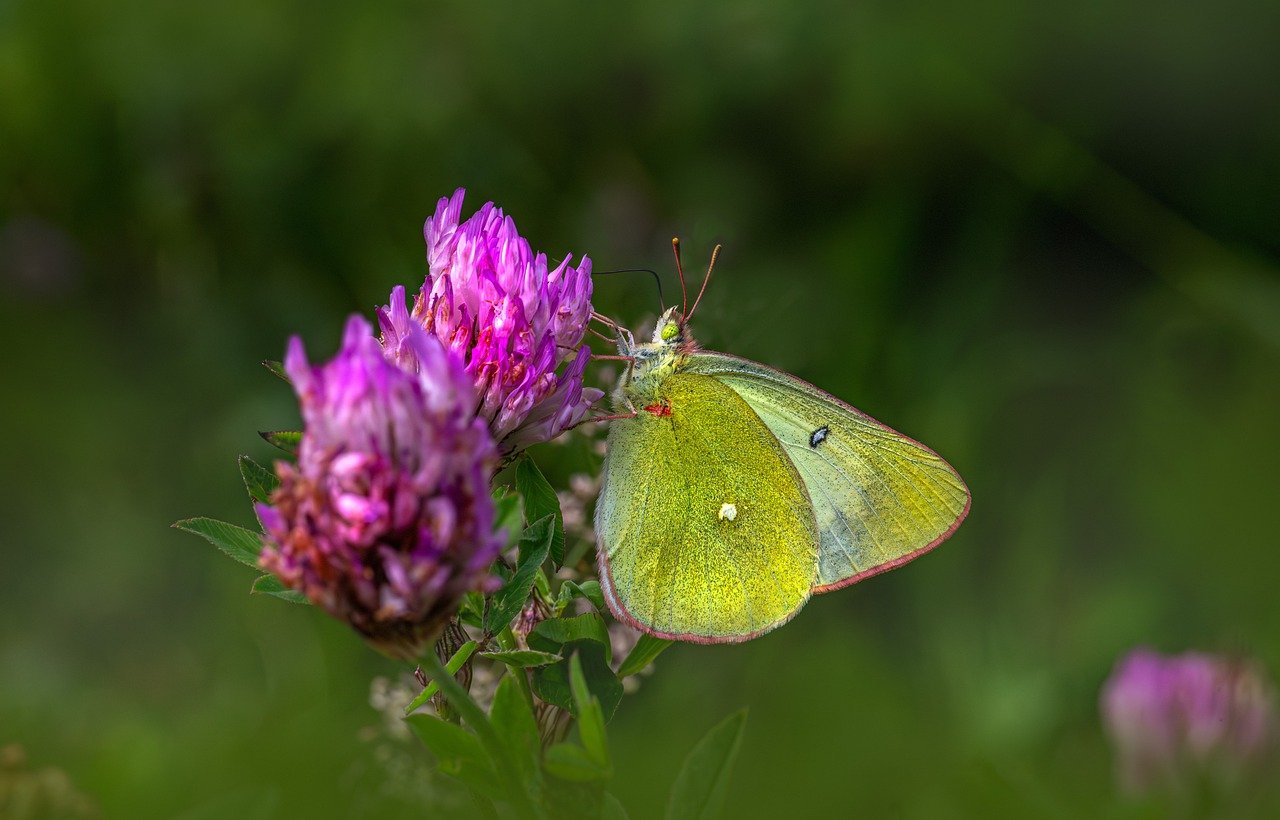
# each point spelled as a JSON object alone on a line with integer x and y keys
{"x": 880, "y": 498}
{"x": 705, "y": 529}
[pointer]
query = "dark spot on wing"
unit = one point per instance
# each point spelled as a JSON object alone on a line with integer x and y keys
{"x": 818, "y": 436}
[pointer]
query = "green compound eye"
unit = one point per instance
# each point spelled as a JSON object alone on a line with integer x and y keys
{"x": 669, "y": 331}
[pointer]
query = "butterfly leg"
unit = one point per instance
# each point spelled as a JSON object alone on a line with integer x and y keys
{"x": 613, "y": 417}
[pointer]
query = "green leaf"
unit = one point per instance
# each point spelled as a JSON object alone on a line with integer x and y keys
{"x": 258, "y": 480}
{"x": 510, "y": 598}
{"x": 539, "y": 500}
{"x": 541, "y": 584}
{"x": 271, "y": 585}
{"x": 700, "y": 787}
{"x": 590, "y": 718}
{"x": 646, "y": 649}
{"x": 514, "y": 723}
{"x": 445, "y": 740}
{"x": 569, "y": 799}
{"x": 287, "y": 440}
{"x": 459, "y": 752}
{"x": 455, "y": 663}
{"x": 551, "y": 683}
{"x": 237, "y": 542}
{"x": 507, "y": 513}
{"x": 569, "y": 761}
{"x": 276, "y": 369}
{"x": 522, "y": 658}
{"x": 587, "y": 589}
{"x": 472, "y": 610}
{"x": 551, "y": 634}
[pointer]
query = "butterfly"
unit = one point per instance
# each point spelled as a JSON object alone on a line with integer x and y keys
{"x": 732, "y": 492}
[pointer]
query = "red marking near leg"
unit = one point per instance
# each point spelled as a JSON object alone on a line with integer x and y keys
{"x": 659, "y": 409}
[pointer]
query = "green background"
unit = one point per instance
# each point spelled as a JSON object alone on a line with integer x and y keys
{"x": 1042, "y": 239}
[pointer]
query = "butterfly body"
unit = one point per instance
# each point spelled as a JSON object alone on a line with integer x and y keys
{"x": 736, "y": 491}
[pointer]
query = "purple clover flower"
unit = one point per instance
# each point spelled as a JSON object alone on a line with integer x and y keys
{"x": 1172, "y": 718}
{"x": 510, "y": 320}
{"x": 386, "y": 520}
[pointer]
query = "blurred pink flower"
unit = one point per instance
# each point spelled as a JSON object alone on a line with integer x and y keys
{"x": 1173, "y": 718}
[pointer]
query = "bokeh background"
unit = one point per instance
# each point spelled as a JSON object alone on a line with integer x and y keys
{"x": 1040, "y": 237}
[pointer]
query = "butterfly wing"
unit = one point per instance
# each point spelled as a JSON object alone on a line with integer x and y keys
{"x": 880, "y": 498}
{"x": 705, "y": 531}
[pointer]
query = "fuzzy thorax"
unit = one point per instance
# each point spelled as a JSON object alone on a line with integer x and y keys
{"x": 652, "y": 362}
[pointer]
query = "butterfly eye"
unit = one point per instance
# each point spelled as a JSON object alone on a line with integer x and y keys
{"x": 669, "y": 331}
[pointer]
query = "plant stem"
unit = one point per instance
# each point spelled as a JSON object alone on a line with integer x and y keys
{"x": 507, "y": 640}
{"x": 455, "y": 663}
{"x": 479, "y": 723}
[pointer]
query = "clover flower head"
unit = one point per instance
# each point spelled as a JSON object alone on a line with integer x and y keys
{"x": 1174, "y": 718}
{"x": 386, "y": 520}
{"x": 515, "y": 323}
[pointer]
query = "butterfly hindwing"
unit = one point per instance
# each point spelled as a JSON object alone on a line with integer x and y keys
{"x": 705, "y": 529}
{"x": 879, "y": 498}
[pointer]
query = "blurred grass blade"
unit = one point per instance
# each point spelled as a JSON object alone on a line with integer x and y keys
{"x": 646, "y": 649}
{"x": 700, "y": 787}
{"x": 612, "y": 809}
{"x": 237, "y": 542}
{"x": 539, "y": 500}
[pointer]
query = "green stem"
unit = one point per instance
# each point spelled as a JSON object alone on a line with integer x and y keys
{"x": 479, "y": 723}
{"x": 459, "y": 658}
{"x": 507, "y": 640}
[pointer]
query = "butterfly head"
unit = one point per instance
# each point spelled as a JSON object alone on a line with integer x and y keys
{"x": 671, "y": 330}
{"x": 652, "y": 361}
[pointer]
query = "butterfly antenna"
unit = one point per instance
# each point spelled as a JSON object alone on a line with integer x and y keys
{"x": 657, "y": 280}
{"x": 715, "y": 254}
{"x": 684, "y": 291}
